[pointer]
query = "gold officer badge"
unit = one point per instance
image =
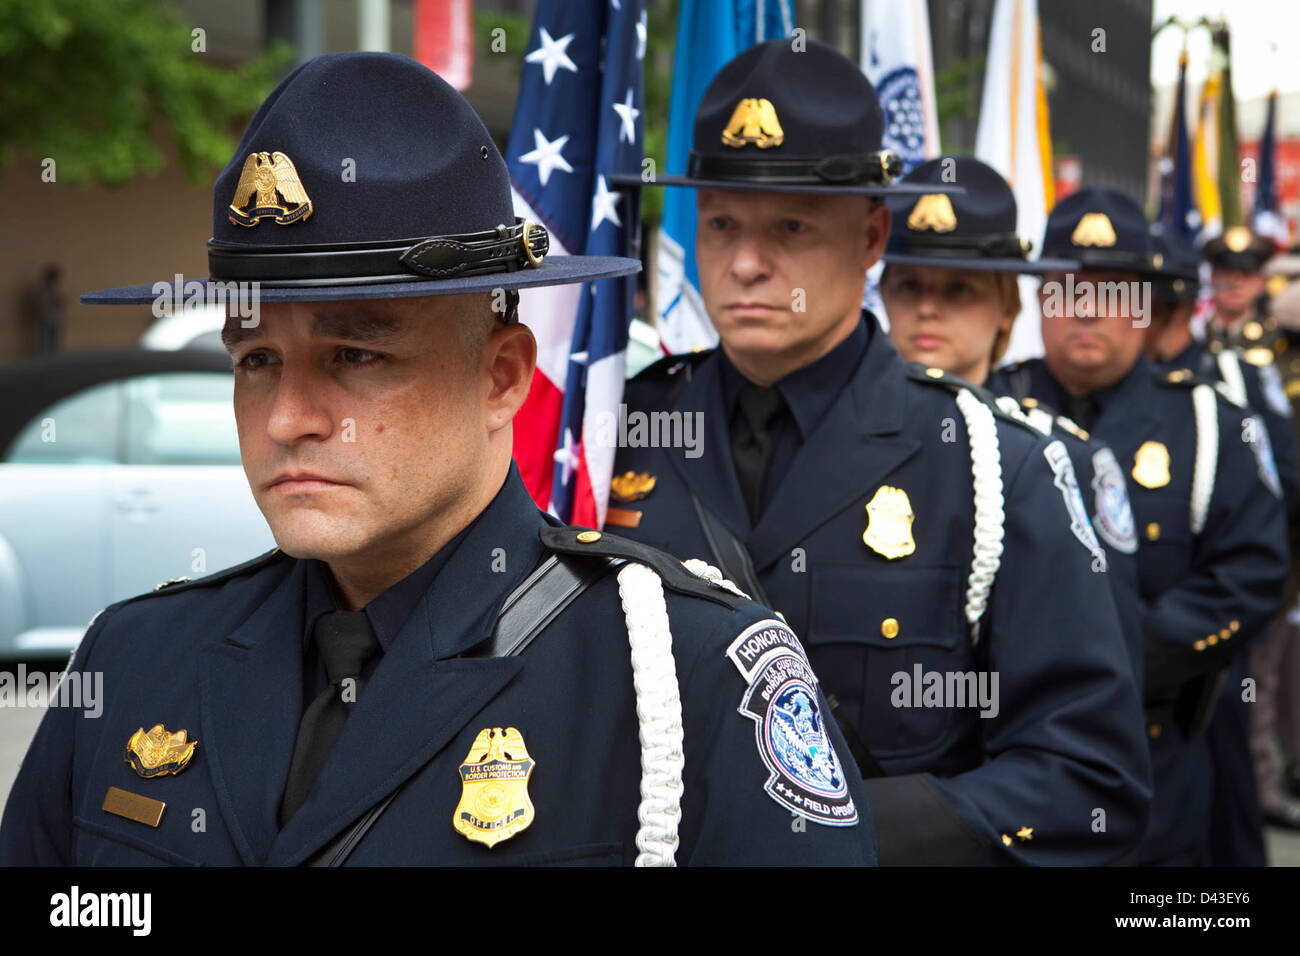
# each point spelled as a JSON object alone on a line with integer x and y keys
{"x": 494, "y": 802}
{"x": 889, "y": 523}
{"x": 158, "y": 751}
{"x": 1094, "y": 229}
{"x": 754, "y": 121}
{"x": 1151, "y": 465}
{"x": 932, "y": 211}
{"x": 269, "y": 187}
{"x": 631, "y": 486}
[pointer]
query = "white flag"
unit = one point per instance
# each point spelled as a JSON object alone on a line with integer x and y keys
{"x": 1014, "y": 138}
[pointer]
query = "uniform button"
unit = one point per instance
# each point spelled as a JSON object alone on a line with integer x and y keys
{"x": 1199, "y": 645}
{"x": 1029, "y": 402}
{"x": 934, "y": 372}
{"x": 1233, "y": 625}
{"x": 1211, "y": 639}
{"x": 1225, "y": 634}
{"x": 1153, "y": 531}
{"x": 889, "y": 628}
{"x": 1153, "y": 731}
{"x": 588, "y": 537}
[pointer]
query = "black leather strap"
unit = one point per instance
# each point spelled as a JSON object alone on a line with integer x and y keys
{"x": 530, "y": 607}
{"x": 848, "y": 169}
{"x": 503, "y": 249}
{"x": 734, "y": 562}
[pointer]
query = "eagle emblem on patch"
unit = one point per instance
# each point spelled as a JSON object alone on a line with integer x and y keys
{"x": 1063, "y": 477}
{"x": 269, "y": 188}
{"x": 806, "y": 776}
{"x": 1113, "y": 520}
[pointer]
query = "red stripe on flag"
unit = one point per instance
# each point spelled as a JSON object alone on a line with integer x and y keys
{"x": 584, "y": 500}
{"x": 537, "y": 431}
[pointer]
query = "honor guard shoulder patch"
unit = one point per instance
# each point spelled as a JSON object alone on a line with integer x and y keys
{"x": 806, "y": 776}
{"x": 1063, "y": 471}
{"x": 1113, "y": 520}
{"x": 1270, "y": 381}
{"x": 1263, "y": 449}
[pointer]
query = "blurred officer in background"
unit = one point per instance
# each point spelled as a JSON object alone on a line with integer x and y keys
{"x": 951, "y": 292}
{"x": 915, "y": 534}
{"x": 1210, "y": 518}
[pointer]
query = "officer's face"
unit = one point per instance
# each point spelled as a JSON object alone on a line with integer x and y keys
{"x": 1090, "y": 336}
{"x": 782, "y": 274}
{"x": 1235, "y": 290}
{"x": 373, "y": 431}
{"x": 947, "y": 318}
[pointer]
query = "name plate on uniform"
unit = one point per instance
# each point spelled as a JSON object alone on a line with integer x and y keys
{"x": 133, "y": 806}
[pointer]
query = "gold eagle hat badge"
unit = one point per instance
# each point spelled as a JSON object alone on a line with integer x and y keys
{"x": 932, "y": 211}
{"x": 1094, "y": 229}
{"x": 269, "y": 187}
{"x": 158, "y": 751}
{"x": 494, "y": 802}
{"x": 754, "y": 121}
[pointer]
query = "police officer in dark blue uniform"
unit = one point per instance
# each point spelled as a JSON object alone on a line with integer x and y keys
{"x": 426, "y": 669}
{"x": 1235, "y": 836}
{"x": 926, "y": 545}
{"x": 1212, "y": 549}
{"x": 951, "y": 292}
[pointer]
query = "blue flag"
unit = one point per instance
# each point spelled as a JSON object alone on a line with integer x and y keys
{"x": 709, "y": 34}
{"x": 1177, "y": 213}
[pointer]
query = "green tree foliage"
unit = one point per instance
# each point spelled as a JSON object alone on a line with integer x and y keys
{"x": 88, "y": 83}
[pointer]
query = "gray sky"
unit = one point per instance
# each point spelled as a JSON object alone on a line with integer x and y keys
{"x": 1265, "y": 44}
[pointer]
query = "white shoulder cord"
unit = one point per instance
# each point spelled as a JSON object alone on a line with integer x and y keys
{"x": 1205, "y": 405}
{"x": 658, "y": 712}
{"x": 1234, "y": 382}
{"x": 986, "y": 472}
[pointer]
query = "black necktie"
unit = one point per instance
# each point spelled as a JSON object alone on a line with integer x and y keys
{"x": 752, "y": 446}
{"x": 1082, "y": 410}
{"x": 346, "y": 643}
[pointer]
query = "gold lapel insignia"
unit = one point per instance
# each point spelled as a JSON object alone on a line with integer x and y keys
{"x": 889, "y": 523}
{"x": 754, "y": 121}
{"x": 270, "y": 183}
{"x": 1151, "y": 465}
{"x": 1094, "y": 229}
{"x": 631, "y": 486}
{"x": 932, "y": 211}
{"x": 159, "y": 752}
{"x": 494, "y": 802}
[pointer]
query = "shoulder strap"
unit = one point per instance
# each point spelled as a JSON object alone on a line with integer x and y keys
{"x": 546, "y": 592}
{"x": 1234, "y": 382}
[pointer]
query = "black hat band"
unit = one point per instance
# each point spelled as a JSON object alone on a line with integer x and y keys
{"x": 503, "y": 249}
{"x": 995, "y": 246}
{"x": 882, "y": 166}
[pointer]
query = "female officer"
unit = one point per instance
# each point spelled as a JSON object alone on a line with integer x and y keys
{"x": 950, "y": 289}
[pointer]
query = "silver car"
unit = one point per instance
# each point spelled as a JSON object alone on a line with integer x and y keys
{"x": 119, "y": 469}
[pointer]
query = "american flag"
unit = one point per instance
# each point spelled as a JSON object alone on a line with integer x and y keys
{"x": 578, "y": 120}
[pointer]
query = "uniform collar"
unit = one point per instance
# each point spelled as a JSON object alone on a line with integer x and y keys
{"x": 810, "y": 391}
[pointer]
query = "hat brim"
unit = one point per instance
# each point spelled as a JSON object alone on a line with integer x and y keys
{"x": 1029, "y": 267}
{"x": 825, "y": 189}
{"x": 554, "y": 270}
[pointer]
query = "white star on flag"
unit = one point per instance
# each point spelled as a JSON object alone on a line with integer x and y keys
{"x": 628, "y": 114}
{"x": 547, "y": 156}
{"x": 552, "y": 56}
{"x": 567, "y": 456}
{"x": 604, "y": 205}
{"x": 640, "y": 37}
{"x": 579, "y": 357}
